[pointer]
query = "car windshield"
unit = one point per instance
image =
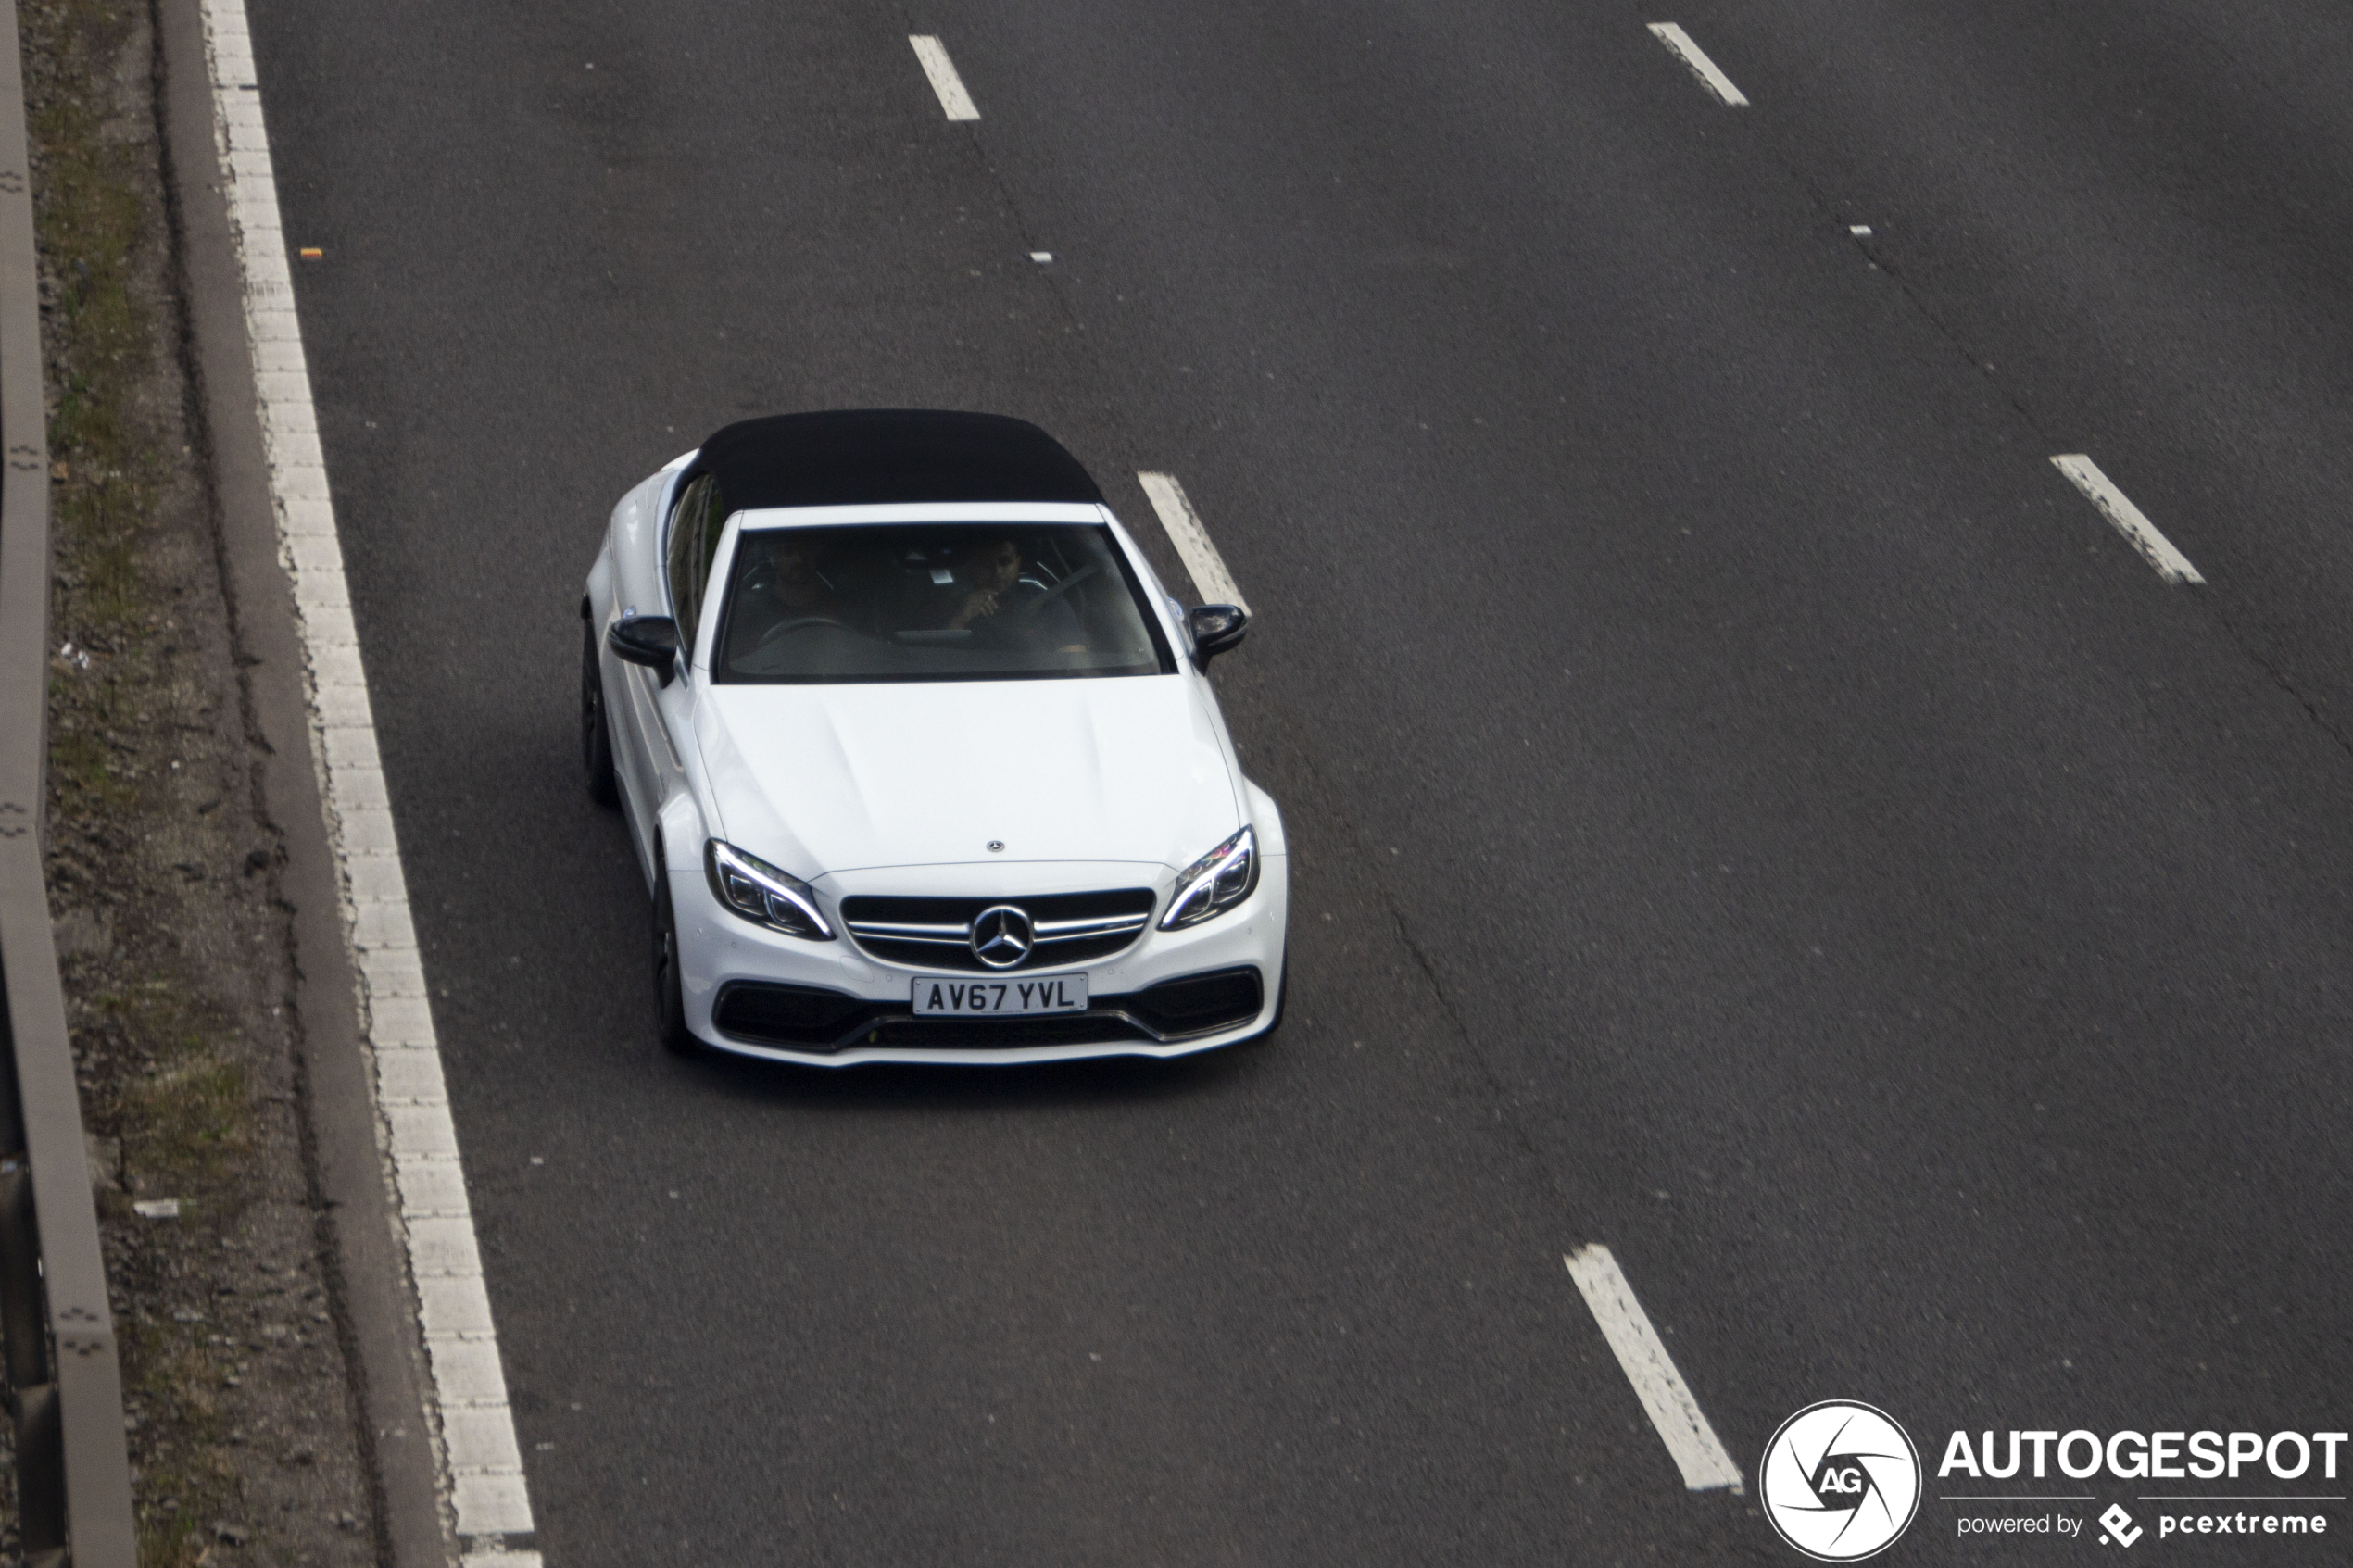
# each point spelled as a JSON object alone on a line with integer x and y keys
{"x": 935, "y": 602}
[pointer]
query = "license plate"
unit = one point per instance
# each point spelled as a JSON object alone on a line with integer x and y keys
{"x": 974, "y": 997}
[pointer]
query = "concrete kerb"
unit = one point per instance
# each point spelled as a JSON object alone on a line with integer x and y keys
{"x": 377, "y": 1314}
{"x": 478, "y": 1467}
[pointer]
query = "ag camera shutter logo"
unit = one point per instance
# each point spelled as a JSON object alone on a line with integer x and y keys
{"x": 1841, "y": 1481}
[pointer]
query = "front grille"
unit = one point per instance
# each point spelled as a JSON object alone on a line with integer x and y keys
{"x": 1072, "y": 928}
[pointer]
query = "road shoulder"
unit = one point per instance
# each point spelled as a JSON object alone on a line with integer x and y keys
{"x": 379, "y": 1313}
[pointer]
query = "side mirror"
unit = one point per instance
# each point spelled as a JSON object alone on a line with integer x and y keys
{"x": 649, "y": 640}
{"x": 1215, "y": 629}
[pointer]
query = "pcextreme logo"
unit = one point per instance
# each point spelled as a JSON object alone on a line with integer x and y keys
{"x": 1840, "y": 1480}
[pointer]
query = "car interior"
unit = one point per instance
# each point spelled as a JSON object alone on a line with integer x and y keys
{"x": 935, "y": 602}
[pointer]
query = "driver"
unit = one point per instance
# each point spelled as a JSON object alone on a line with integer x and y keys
{"x": 784, "y": 586}
{"x": 998, "y": 589}
{"x": 795, "y": 582}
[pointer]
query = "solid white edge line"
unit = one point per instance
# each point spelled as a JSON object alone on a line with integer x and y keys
{"x": 1690, "y": 1442}
{"x": 1183, "y": 526}
{"x": 1691, "y": 54}
{"x": 941, "y": 71}
{"x": 480, "y": 1462}
{"x": 2154, "y": 548}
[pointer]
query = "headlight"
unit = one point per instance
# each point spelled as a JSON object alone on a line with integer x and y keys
{"x": 763, "y": 895}
{"x": 1214, "y": 884}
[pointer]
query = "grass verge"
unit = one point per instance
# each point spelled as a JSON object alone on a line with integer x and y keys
{"x": 242, "y": 1423}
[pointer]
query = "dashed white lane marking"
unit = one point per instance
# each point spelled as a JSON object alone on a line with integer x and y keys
{"x": 944, "y": 79}
{"x": 2154, "y": 548}
{"x": 1691, "y": 54}
{"x": 1214, "y": 583}
{"x": 480, "y": 1467}
{"x": 1690, "y": 1440}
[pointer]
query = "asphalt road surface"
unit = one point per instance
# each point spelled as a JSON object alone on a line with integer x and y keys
{"x": 1749, "y": 809}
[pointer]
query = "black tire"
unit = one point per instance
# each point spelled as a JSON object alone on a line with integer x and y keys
{"x": 669, "y": 1002}
{"x": 596, "y": 737}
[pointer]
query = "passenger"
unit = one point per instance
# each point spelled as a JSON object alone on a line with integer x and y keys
{"x": 999, "y": 588}
{"x": 994, "y": 570}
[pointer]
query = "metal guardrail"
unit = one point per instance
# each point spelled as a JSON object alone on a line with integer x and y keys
{"x": 57, "y": 1332}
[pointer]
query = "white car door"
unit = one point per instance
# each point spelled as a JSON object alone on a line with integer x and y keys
{"x": 660, "y": 715}
{"x": 657, "y": 767}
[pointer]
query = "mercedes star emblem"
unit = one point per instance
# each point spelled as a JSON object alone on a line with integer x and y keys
{"x": 1001, "y": 936}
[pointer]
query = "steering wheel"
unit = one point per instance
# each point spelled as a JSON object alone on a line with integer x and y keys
{"x": 797, "y": 624}
{"x": 1057, "y": 591}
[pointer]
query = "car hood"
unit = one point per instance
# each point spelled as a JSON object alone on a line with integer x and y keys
{"x": 820, "y": 779}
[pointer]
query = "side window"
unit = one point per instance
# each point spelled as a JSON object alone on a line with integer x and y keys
{"x": 714, "y": 523}
{"x": 695, "y": 527}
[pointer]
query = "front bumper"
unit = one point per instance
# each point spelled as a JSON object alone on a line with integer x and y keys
{"x": 757, "y": 993}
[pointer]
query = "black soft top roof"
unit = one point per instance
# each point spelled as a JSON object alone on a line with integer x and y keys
{"x": 867, "y": 457}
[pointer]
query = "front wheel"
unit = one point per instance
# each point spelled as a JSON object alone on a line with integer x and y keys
{"x": 596, "y": 734}
{"x": 670, "y": 1000}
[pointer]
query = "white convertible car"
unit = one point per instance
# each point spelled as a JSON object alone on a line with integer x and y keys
{"x": 919, "y": 757}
